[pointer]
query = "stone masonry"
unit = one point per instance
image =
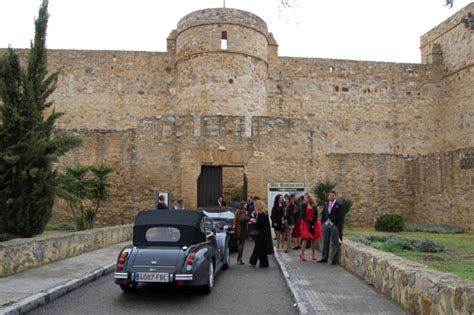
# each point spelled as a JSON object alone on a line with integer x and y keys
{"x": 418, "y": 289}
{"x": 394, "y": 137}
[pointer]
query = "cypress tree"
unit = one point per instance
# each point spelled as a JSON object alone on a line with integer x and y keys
{"x": 28, "y": 145}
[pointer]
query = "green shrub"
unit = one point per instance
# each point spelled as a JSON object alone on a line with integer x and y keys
{"x": 427, "y": 246}
{"x": 361, "y": 239}
{"x": 442, "y": 229}
{"x": 394, "y": 243}
{"x": 89, "y": 217}
{"x": 389, "y": 223}
{"x": 80, "y": 224}
{"x": 235, "y": 194}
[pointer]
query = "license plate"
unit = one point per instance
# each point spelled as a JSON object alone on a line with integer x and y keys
{"x": 152, "y": 277}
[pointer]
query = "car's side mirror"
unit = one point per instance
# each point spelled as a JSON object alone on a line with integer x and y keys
{"x": 226, "y": 228}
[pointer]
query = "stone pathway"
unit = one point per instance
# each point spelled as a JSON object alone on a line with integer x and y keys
{"x": 22, "y": 292}
{"x": 327, "y": 289}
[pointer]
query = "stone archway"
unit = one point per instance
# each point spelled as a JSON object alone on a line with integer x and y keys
{"x": 221, "y": 180}
{"x": 190, "y": 167}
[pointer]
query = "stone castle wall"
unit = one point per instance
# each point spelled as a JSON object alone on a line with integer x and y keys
{"x": 279, "y": 150}
{"x": 450, "y": 46}
{"x": 392, "y": 136}
{"x": 110, "y": 89}
{"x": 362, "y": 107}
{"x": 444, "y": 187}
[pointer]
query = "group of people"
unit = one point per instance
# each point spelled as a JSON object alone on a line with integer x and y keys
{"x": 252, "y": 221}
{"x": 293, "y": 220}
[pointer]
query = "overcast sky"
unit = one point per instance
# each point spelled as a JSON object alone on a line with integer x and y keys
{"x": 377, "y": 30}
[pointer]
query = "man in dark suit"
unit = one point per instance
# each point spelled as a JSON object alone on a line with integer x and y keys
{"x": 220, "y": 202}
{"x": 332, "y": 220}
{"x": 161, "y": 203}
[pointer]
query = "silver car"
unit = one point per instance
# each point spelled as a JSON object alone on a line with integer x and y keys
{"x": 175, "y": 247}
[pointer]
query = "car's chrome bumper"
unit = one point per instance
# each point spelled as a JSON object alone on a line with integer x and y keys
{"x": 120, "y": 275}
{"x": 178, "y": 276}
{"x": 183, "y": 277}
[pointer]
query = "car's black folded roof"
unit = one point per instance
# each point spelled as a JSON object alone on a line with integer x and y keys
{"x": 187, "y": 221}
{"x": 171, "y": 217}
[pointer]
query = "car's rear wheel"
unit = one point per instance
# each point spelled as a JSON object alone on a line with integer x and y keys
{"x": 226, "y": 264}
{"x": 131, "y": 287}
{"x": 207, "y": 288}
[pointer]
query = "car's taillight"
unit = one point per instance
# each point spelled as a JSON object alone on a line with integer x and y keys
{"x": 191, "y": 258}
{"x": 190, "y": 261}
{"x": 121, "y": 260}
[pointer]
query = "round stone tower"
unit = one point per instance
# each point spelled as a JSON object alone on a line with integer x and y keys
{"x": 221, "y": 63}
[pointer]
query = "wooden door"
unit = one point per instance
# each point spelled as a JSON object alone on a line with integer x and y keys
{"x": 209, "y": 185}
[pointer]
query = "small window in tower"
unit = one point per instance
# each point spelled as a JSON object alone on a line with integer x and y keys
{"x": 224, "y": 40}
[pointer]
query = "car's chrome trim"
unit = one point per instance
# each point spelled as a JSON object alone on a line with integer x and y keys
{"x": 185, "y": 277}
{"x": 120, "y": 275}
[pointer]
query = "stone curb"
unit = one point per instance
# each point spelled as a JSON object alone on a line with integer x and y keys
{"x": 301, "y": 304}
{"x": 42, "y": 298}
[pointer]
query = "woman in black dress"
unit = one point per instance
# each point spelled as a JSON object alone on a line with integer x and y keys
{"x": 289, "y": 220}
{"x": 277, "y": 220}
{"x": 263, "y": 240}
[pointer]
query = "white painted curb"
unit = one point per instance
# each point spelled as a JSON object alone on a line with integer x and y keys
{"x": 42, "y": 298}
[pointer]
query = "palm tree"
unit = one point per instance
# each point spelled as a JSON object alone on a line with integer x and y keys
{"x": 101, "y": 188}
{"x": 76, "y": 187}
{"x": 322, "y": 190}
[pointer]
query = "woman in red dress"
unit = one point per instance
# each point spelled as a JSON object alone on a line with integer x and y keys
{"x": 311, "y": 229}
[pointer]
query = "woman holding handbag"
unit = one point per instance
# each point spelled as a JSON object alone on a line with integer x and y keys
{"x": 263, "y": 238}
{"x": 311, "y": 229}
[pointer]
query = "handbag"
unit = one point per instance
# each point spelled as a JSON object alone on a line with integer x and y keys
{"x": 253, "y": 230}
{"x": 253, "y": 234}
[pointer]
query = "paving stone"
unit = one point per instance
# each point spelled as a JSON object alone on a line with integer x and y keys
{"x": 327, "y": 289}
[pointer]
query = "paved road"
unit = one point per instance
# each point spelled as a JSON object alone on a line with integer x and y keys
{"x": 238, "y": 290}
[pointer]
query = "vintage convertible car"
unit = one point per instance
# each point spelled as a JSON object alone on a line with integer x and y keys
{"x": 180, "y": 247}
{"x": 224, "y": 218}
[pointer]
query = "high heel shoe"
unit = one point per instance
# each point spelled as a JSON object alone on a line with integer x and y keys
{"x": 314, "y": 258}
{"x": 302, "y": 258}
